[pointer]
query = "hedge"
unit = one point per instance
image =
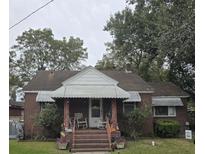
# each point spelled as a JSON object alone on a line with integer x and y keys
{"x": 167, "y": 128}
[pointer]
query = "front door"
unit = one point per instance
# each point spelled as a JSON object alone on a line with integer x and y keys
{"x": 95, "y": 111}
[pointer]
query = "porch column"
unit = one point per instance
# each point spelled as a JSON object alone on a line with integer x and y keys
{"x": 66, "y": 113}
{"x": 114, "y": 111}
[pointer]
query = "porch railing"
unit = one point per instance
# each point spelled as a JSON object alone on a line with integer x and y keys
{"x": 108, "y": 129}
{"x": 73, "y": 134}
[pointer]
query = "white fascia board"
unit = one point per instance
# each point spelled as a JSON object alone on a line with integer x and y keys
{"x": 144, "y": 92}
{"x": 30, "y": 91}
{"x": 170, "y": 96}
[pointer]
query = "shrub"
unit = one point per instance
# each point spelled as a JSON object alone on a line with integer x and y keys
{"x": 167, "y": 128}
{"x": 132, "y": 124}
{"x": 50, "y": 119}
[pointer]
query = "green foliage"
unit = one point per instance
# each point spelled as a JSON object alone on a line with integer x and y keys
{"x": 155, "y": 39}
{"x": 167, "y": 128}
{"x": 39, "y": 50}
{"x": 191, "y": 115}
{"x": 131, "y": 124}
{"x": 50, "y": 119}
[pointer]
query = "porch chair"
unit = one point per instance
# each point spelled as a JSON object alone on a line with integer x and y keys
{"x": 81, "y": 122}
{"x": 101, "y": 124}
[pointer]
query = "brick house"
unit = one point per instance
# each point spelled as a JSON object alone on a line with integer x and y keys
{"x": 100, "y": 94}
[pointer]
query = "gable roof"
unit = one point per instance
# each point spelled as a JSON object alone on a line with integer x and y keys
{"x": 51, "y": 80}
{"x": 90, "y": 76}
{"x": 167, "y": 89}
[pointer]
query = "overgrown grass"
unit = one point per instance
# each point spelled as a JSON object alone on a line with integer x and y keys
{"x": 143, "y": 146}
{"x": 163, "y": 146}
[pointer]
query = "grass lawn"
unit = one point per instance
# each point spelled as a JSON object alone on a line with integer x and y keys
{"x": 34, "y": 148}
{"x": 143, "y": 146}
{"x": 163, "y": 146}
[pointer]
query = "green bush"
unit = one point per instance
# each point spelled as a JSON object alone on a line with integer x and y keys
{"x": 132, "y": 124}
{"x": 50, "y": 119}
{"x": 167, "y": 128}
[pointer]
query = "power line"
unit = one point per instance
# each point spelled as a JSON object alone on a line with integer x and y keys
{"x": 30, "y": 14}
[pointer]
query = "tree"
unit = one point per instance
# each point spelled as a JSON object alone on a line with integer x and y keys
{"x": 155, "y": 40}
{"x": 178, "y": 44}
{"x": 38, "y": 50}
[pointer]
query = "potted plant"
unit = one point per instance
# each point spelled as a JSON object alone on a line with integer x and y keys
{"x": 120, "y": 143}
{"x": 62, "y": 142}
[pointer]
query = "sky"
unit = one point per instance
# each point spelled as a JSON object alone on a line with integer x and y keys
{"x": 79, "y": 18}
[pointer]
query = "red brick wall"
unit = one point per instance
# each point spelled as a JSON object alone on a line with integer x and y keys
{"x": 146, "y": 100}
{"x": 31, "y": 109}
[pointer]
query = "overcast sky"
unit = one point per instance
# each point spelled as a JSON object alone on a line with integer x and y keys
{"x": 78, "y": 18}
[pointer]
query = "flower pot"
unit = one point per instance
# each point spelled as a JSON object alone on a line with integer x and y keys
{"x": 62, "y": 146}
{"x": 120, "y": 145}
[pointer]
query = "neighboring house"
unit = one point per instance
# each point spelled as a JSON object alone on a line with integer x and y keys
{"x": 98, "y": 94}
{"x": 16, "y": 110}
{"x": 16, "y": 115}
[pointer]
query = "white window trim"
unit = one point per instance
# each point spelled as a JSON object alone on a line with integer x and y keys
{"x": 123, "y": 109}
{"x": 169, "y": 115}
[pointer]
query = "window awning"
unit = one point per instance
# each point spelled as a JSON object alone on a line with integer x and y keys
{"x": 44, "y": 96}
{"x": 134, "y": 97}
{"x": 166, "y": 101}
{"x": 90, "y": 91}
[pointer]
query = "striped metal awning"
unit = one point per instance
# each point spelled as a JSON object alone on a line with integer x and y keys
{"x": 134, "y": 97}
{"x": 90, "y": 91}
{"x": 44, "y": 96}
{"x": 166, "y": 101}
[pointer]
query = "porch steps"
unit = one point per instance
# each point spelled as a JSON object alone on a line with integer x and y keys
{"x": 90, "y": 140}
{"x": 89, "y": 149}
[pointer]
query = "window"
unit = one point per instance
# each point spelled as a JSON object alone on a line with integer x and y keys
{"x": 128, "y": 107}
{"x": 42, "y": 105}
{"x": 164, "y": 111}
{"x": 95, "y": 108}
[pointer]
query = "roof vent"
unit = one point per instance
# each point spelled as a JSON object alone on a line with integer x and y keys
{"x": 128, "y": 71}
{"x": 51, "y": 75}
{"x": 128, "y": 68}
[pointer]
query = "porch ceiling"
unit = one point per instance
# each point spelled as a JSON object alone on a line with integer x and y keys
{"x": 90, "y": 91}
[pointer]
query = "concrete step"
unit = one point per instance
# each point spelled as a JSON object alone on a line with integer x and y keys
{"x": 91, "y": 136}
{"x": 90, "y": 149}
{"x": 90, "y": 140}
{"x": 90, "y": 131}
{"x": 91, "y": 145}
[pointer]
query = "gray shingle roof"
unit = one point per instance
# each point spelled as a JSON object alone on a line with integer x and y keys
{"x": 51, "y": 80}
{"x": 167, "y": 89}
{"x": 16, "y": 104}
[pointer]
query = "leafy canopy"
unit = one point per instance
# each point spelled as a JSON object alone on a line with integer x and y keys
{"x": 38, "y": 50}
{"x": 154, "y": 38}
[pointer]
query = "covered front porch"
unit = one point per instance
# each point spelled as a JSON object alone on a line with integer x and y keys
{"x": 95, "y": 111}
